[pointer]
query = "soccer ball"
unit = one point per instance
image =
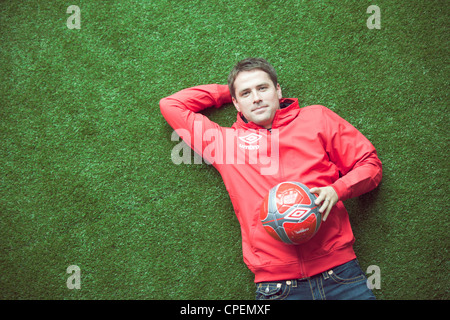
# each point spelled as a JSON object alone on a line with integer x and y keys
{"x": 288, "y": 213}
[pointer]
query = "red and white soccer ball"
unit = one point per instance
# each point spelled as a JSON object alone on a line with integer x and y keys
{"x": 288, "y": 213}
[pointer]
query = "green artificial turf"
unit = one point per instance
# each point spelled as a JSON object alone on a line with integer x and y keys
{"x": 86, "y": 171}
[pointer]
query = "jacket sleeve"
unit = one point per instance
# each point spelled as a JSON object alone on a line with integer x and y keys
{"x": 354, "y": 155}
{"x": 182, "y": 111}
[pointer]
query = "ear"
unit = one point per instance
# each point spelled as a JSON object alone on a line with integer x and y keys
{"x": 236, "y": 104}
{"x": 279, "y": 91}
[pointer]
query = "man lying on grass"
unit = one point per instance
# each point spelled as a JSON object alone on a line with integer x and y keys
{"x": 275, "y": 140}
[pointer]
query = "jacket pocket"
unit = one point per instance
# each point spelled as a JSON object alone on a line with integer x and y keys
{"x": 272, "y": 290}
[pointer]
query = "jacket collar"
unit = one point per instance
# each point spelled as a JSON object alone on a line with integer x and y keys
{"x": 288, "y": 111}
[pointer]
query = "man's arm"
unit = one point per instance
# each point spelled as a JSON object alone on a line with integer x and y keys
{"x": 356, "y": 159}
{"x": 181, "y": 110}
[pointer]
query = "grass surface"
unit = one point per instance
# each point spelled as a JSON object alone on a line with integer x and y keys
{"x": 86, "y": 171}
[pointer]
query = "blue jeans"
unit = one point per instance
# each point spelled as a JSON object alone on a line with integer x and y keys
{"x": 344, "y": 282}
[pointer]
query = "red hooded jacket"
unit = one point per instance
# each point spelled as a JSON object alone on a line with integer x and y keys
{"x": 311, "y": 145}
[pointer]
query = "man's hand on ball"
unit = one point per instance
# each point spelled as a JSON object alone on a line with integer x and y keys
{"x": 327, "y": 197}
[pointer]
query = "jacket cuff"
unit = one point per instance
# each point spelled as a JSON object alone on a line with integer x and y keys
{"x": 342, "y": 190}
{"x": 224, "y": 95}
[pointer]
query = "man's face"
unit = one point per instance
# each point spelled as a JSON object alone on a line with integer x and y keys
{"x": 257, "y": 97}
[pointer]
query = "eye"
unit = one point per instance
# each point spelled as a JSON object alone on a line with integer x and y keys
{"x": 245, "y": 93}
{"x": 263, "y": 88}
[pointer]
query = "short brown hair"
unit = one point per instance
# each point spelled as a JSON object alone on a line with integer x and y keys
{"x": 248, "y": 65}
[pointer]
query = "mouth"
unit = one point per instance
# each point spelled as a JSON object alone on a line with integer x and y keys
{"x": 259, "y": 108}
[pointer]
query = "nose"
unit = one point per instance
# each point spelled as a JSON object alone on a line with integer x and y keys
{"x": 256, "y": 97}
